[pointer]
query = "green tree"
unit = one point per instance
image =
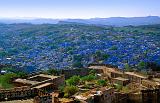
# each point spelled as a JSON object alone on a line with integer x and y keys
{"x": 8, "y": 69}
{"x": 3, "y": 53}
{"x": 114, "y": 48}
{"x": 77, "y": 57}
{"x": 52, "y": 72}
{"x": 70, "y": 90}
{"x": 92, "y": 72}
{"x": 118, "y": 87}
{"x": 98, "y": 53}
{"x": 105, "y": 56}
{"x": 141, "y": 65}
{"x": 21, "y": 74}
{"x": 74, "y": 80}
{"x": 102, "y": 82}
{"x": 61, "y": 88}
{"x": 89, "y": 77}
{"x": 6, "y": 79}
{"x": 127, "y": 67}
{"x": 78, "y": 64}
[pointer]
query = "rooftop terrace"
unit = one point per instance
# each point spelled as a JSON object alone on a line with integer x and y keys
{"x": 25, "y": 81}
{"x": 36, "y": 80}
{"x": 43, "y": 85}
{"x": 115, "y": 70}
{"x": 136, "y": 74}
{"x": 86, "y": 95}
{"x": 121, "y": 79}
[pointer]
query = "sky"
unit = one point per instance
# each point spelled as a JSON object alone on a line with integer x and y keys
{"x": 79, "y": 8}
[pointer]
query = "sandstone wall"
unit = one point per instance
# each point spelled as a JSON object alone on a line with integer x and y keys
{"x": 17, "y": 93}
{"x": 71, "y": 72}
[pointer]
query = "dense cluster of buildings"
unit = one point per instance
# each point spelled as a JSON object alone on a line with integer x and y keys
{"x": 54, "y": 46}
{"x": 42, "y": 88}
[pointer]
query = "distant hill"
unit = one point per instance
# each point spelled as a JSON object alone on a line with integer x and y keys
{"x": 114, "y": 21}
{"x": 26, "y": 20}
{"x": 120, "y": 21}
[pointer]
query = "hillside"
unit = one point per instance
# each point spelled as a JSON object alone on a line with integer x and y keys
{"x": 120, "y": 21}
{"x": 76, "y": 45}
{"x": 114, "y": 21}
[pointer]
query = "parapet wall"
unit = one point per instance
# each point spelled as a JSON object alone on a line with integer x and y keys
{"x": 107, "y": 65}
{"x": 17, "y": 93}
{"x": 29, "y": 91}
{"x": 121, "y": 97}
{"x": 145, "y": 96}
{"x": 151, "y": 96}
{"x": 135, "y": 97}
{"x": 59, "y": 81}
{"x": 71, "y": 72}
{"x": 43, "y": 99}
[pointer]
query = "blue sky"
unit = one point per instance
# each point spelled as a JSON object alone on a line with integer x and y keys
{"x": 79, "y": 8}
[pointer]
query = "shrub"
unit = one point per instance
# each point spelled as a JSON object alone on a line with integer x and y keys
{"x": 89, "y": 77}
{"x": 118, "y": 87}
{"x": 73, "y": 80}
{"x": 102, "y": 82}
{"x": 21, "y": 74}
{"x": 78, "y": 64}
{"x": 70, "y": 90}
{"x": 105, "y": 56}
{"x": 61, "y": 88}
{"x": 141, "y": 65}
{"x": 127, "y": 67}
{"x": 92, "y": 71}
{"x": 52, "y": 72}
{"x": 5, "y": 80}
{"x": 114, "y": 48}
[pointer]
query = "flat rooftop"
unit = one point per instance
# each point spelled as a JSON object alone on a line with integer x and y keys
{"x": 152, "y": 82}
{"x": 91, "y": 93}
{"x": 137, "y": 75}
{"x": 121, "y": 79}
{"x": 115, "y": 70}
{"x": 66, "y": 100}
{"x": 45, "y": 76}
{"x": 97, "y": 67}
{"x": 36, "y": 79}
{"x": 80, "y": 97}
{"x": 25, "y": 81}
{"x": 156, "y": 79}
{"x": 43, "y": 85}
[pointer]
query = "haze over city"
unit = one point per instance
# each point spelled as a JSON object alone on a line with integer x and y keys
{"x": 78, "y": 8}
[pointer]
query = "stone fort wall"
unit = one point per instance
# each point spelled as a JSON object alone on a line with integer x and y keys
{"x": 71, "y": 72}
{"x": 17, "y": 93}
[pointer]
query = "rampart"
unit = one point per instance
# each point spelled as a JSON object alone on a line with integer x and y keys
{"x": 17, "y": 93}
{"x": 71, "y": 72}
